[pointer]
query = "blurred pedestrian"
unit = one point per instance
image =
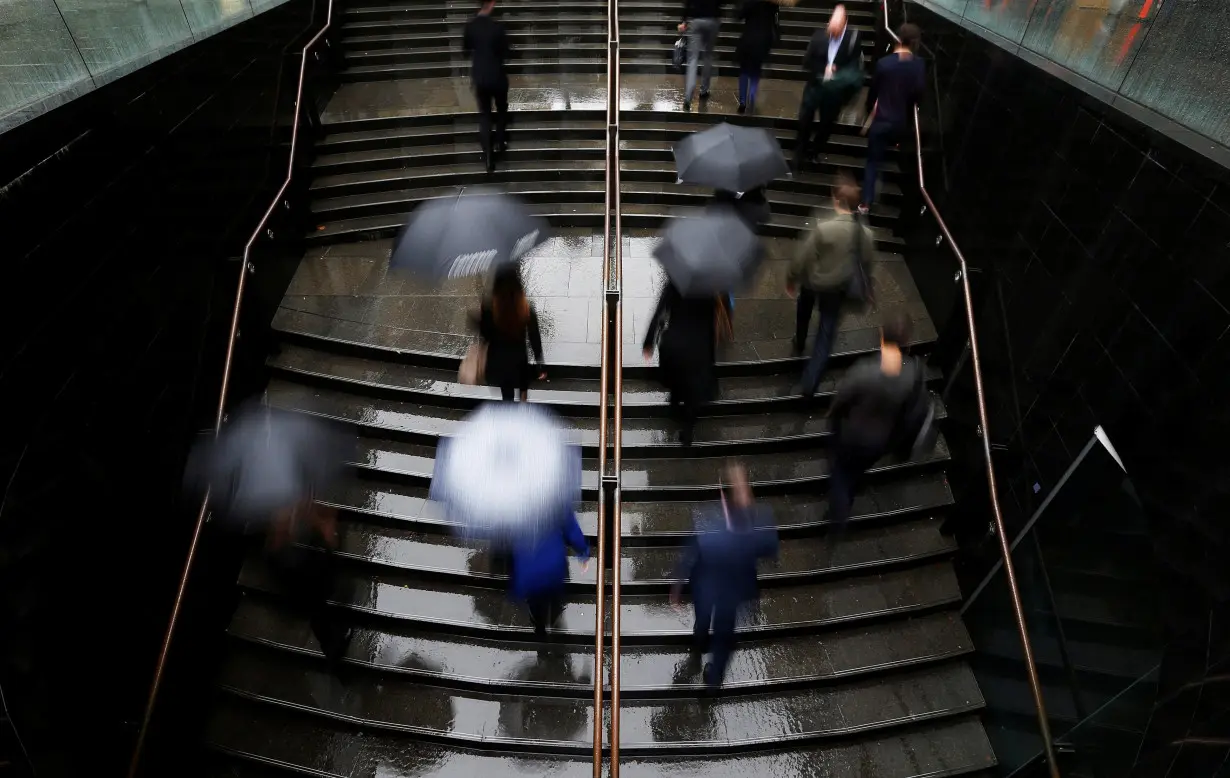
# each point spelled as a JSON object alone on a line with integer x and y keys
{"x": 872, "y": 413}
{"x": 829, "y": 270}
{"x": 687, "y": 350}
{"x": 896, "y": 87}
{"x": 487, "y": 44}
{"x": 299, "y": 550}
{"x": 834, "y": 63}
{"x": 701, "y": 21}
{"x": 540, "y": 571}
{"x": 719, "y": 566}
{"x": 506, "y": 321}
{"x": 752, "y": 206}
{"x": 761, "y": 30}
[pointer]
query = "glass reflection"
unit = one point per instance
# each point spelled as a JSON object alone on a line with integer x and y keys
{"x": 1096, "y": 39}
{"x": 118, "y": 35}
{"x": 37, "y": 55}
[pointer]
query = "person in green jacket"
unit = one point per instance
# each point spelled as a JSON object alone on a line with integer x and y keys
{"x": 829, "y": 269}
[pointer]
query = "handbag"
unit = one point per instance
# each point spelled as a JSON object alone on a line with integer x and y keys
{"x": 679, "y": 56}
{"x": 858, "y": 288}
{"x": 473, "y": 369}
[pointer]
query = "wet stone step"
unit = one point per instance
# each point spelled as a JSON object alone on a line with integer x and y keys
{"x": 794, "y": 609}
{"x": 786, "y": 207}
{"x": 449, "y": 608}
{"x": 427, "y": 177}
{"x": 948, "y": 747}
{"x": 861, "y": 650}
{"x": 398, "y": 204}
{"x": 769, "y": 473}
{"x": 414, "y": 423}
{"x": 563, "y": 214}
{"x": 432, "y": 658}
{"x": 431, "y": 129}
{"x": 668, "y": 127}
{"x": 640, "y": 209}
{"x": 541, "y": 23}
{"x": 525, "y": 52}
{"x": 357, "y": 377}
{"x": 251, "y": 733}
{"x": 384, "y": 702}
{"x": 414, "y": 463}
{"x": 394, "y": 159}
{"x": 877, "y": 501}
{"x": 811, "y": 714}
{"x": 803, "y": 559}
{"x": 516, "y": 38}
{"x": 649, "y": 158}
{"x": 460, "y": 67}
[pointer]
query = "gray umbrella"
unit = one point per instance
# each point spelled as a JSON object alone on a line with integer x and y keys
{"x": 467, "y": 235}
{"x": 265, "y": 460}
{"x": 737, "y": 159}
{"x": 708, "y": 254}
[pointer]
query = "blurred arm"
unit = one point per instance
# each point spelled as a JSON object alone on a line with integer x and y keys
{"x": 574, "y": 537}
{"x": 535, "y": 336}
{"x": 655, "y": 323}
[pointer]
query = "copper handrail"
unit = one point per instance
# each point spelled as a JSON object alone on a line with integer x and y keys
{"x": 613, "y": 95}
{"x": 1018, "y": 611}
{"x": 244, "y": 270}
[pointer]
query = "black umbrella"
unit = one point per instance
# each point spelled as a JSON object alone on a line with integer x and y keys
{"x": 265, "y": 460}
{"x": 467, "y": 235}
{"x": 708, "y": 254}
{"x": 729, "y": 157}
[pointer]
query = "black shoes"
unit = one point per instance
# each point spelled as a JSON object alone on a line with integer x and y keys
{"x": 742, "y": 108}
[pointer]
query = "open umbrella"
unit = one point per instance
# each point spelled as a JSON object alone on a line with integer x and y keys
{"x": 467, "y": 235}
{"x": 265, "y": 460}
{"x": 510, "y": 472}
{"x": 711, "y": 253}
{"x": 729, "y": 157}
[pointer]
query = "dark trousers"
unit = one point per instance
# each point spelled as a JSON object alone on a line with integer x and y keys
{"x": 880, "y": 137}
{"x": 749, "y": 82}
{"x": 813, "y": 136}
{"x": 507, "y": 391}
{"x": 308, "y": 576}
{"x": 685, "y": 411}
{"x": 721, "y": 614}
{"x": 829, "y": 305}
{"x": 545, "y": 610}
{"x": 492, "y": 101}
{"x": 848, "y": 465}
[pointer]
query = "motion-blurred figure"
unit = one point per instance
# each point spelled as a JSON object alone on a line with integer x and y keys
{"x": 506, "y": 321}
{"x": 487, "y": 44}
{"x": 687, "y": 350}
{"x": 896, "y": 87}
{"x": 752, "y": 206}
{"x": 720, "y": 568}
{"x": 874, "y": 412}
{"x": 834, "y": 63}
{"x": 540, "y": 571}
{"x": 760, "y": 32}
{"x": 830, "y": 268}
{"x": 701, "y": 21}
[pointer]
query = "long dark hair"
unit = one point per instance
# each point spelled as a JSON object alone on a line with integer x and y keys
{"x": 510, "y": 310}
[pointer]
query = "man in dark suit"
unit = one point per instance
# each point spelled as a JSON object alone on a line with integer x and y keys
{"x": 834, "y": 62}
{"x": 487, "y": 45}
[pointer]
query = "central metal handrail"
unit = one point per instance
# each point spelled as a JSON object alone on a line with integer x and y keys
{"x": 244, "y": 270}
{"x": 1018, "y": 610}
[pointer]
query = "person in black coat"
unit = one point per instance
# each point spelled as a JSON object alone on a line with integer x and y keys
{"x": 487, "y": 44}
{"x": 687, "y": 351}
{"x": 760, "y": 26}
{"x": 506, "y": 321}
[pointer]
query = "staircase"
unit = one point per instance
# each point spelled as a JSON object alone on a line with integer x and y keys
{"x": 854, "y": 662}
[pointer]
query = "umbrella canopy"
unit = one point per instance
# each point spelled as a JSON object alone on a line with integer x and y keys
{"x": 467, "y": 235}
{"x": 265, "y": 460}
{"x": 509, "y": 473}
{"x": 729, "y": 157}
{"x": 709, "y": 254}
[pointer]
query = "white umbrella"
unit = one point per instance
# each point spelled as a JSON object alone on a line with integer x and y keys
{"x": 510, "y": 472}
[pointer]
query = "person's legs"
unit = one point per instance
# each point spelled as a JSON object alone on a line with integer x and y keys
{"x": 501, "y": 119}
{"x": 694, "y": 49}
{"x": 877, "y": 143}
{"x": 807, "y": 114}
{"x": 687, "y": 420}
{"x": 506, "y": 392}
{"x": 826, "y": 333}
{"x": 744, "y": 80}
{"x": 545, "y": 610}
{"x": 829, "y": 109}
{"x": 802, "y": 317}
{"x": 710, "y": 35}
{"x": 484, "y": 121}
{"x": 703, "y": 610}
{"x": 723, "y": 642}
{"x": 753, "y": 85}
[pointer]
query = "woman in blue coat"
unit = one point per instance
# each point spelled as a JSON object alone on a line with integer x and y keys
{"x": 540, "y": 571}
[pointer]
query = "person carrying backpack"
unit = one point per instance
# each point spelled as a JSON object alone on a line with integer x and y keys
{"x": 830, "y": 269}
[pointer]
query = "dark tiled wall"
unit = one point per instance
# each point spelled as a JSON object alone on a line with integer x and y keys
{"x": 1105, "y": 299}
{"x": 119, "y": 213}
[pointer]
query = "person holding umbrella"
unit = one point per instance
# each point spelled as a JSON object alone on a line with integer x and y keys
{"x": 540, "y": 570}
{"x": 719, "y": 565}
{"x": 506, "y": 321}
